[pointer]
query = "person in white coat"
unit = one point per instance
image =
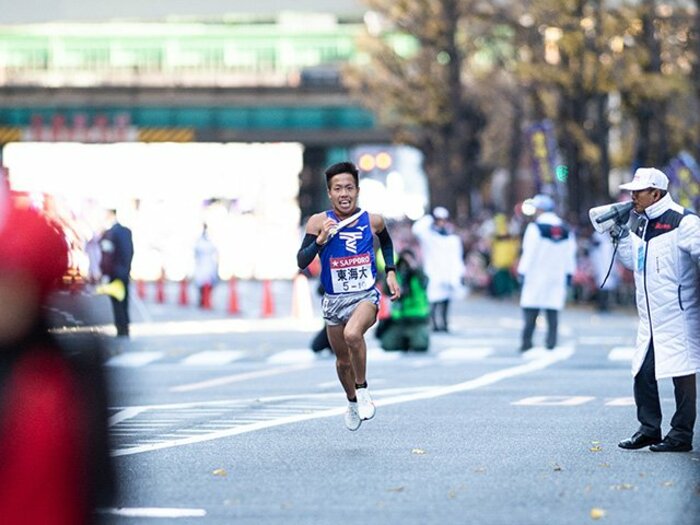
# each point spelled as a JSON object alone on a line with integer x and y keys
{"x": 663, "y": 250}
{"x": 443, "y": 263}
{"x": 206, "y": 267}
{"x": 546, "y": 265}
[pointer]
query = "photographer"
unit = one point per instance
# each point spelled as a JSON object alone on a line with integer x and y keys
{"x": 663, "y": 251}
{"x": 409, "y": 325}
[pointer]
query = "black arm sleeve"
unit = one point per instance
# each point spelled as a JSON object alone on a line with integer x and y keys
{"x": 387, "y": 247}
{"x": 308, "y": 251}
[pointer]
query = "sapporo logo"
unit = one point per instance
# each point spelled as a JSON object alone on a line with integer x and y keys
{"x": 350, "y": 239}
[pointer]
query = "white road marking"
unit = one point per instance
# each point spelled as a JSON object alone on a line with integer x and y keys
{"x": 213, "y": 357}
{"x": 200, "y": 327}
{"x": 620, "y": 402}
{"x": 477, "y": 341}
{"x": 427, "y": 393}
{"x": 602, "y": 339}
{"x": 375, "y": 354}
{"x": 295, "y": 355}
{"x": 134, "y": 359}
{"x": 464, "y": 354}
{"x": 621, "y": 353}
{"x": 125, "y": 414}
{"x": 211, "y": 383}
{"x": 154, "y": 512}
{"x": 539, "y": 352}
{"x": 564, "y": 401}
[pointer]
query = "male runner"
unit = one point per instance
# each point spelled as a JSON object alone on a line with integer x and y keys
{"x": 343, "y": 238}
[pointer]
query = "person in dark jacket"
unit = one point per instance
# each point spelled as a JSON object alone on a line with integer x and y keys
{"x": 117, "y": 250}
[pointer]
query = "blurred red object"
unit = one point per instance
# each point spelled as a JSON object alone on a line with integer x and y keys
{"x": 30, "y": 245}
{"x": 53, "y": 421}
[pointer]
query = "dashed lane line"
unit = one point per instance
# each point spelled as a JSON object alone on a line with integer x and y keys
{"x": 211, "y": 383}
{"x": 568, "y": 401}
{"x": 134, "y": 359}
{"x": 428, "y": 393}
{"x": 464, "y": 354}
{"x": 213, "y": 358}
{"x": 154, "y": 512}
{"x": 621, "y": 353}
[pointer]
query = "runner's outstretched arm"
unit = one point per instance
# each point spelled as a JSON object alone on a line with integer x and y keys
{"x": 387, "y": 247}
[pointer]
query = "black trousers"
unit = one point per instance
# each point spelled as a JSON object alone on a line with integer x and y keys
{"x": 646, "y": 397}
{"x": 121, "y": 313}
{"x": 438, "y": 315}
{"x": 531, "y": 315}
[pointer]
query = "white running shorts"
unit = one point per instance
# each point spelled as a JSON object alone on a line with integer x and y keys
{"x": 337, "y": 308}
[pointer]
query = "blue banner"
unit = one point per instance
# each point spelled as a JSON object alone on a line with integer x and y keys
{"x": 684, "y": 175}
{"x": 543, "y": 151}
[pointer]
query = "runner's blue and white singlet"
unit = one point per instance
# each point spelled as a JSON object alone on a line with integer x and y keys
{"x": 347, "y": 260}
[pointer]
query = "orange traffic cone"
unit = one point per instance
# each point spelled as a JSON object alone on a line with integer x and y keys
{"x": 206, "y": 297}
{"x": 233, "y": 307}
{"x": 184, "y": 288}
{"x": 141, "y": 289}
{"x": 268, "y": 303}
{"x": 301, "y": 298}
{"x": 160, "y": 288}
{"x": 384, "y": 308}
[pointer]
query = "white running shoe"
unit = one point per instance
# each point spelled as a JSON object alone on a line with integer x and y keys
{"x": 365, "y": 407}
{"x": 352, "y": 418}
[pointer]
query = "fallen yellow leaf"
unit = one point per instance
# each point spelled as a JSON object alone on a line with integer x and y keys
{"x": 219, "y": 472}
{"x": 622, "y": 486}
{"x": 596, "y": 448}
{"x": 597, "y": 513}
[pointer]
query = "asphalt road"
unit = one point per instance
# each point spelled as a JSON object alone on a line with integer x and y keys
{"x": 231, "y": 419}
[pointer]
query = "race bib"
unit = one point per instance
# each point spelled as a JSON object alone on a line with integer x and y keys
{"x": 352, "y": 273}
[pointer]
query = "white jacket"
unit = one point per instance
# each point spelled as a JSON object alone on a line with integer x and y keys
{"x": 664, "y": 253}
{"x": 206, "y": 262}
{"x": 549, "y": 255}
{"x": 443, "y": 261}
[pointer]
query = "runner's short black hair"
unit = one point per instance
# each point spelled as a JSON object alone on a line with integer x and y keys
{"x": 342, "y": 167}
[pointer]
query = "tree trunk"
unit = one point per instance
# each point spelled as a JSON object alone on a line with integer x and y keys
{"x": 652, "y": 146}
{"x": 516, "y": 149}
{"x": 695, "y": 76}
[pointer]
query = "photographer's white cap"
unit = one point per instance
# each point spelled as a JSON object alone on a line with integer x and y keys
{"x": 441, "y": 212}
{"x": 647, "y": 178}
{"x": 543, "y": 202}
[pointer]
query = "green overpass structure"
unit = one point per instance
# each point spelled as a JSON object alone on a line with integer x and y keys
{"x": 313, "y": 116}
{"x": 240, "y": 79}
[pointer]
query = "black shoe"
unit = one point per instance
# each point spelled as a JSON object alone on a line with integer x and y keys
{"x": 639, "y": 440}
{"x": 671, "y": 445}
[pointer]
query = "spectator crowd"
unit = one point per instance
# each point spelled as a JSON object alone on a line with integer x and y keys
{"x": 492, "y": 245}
